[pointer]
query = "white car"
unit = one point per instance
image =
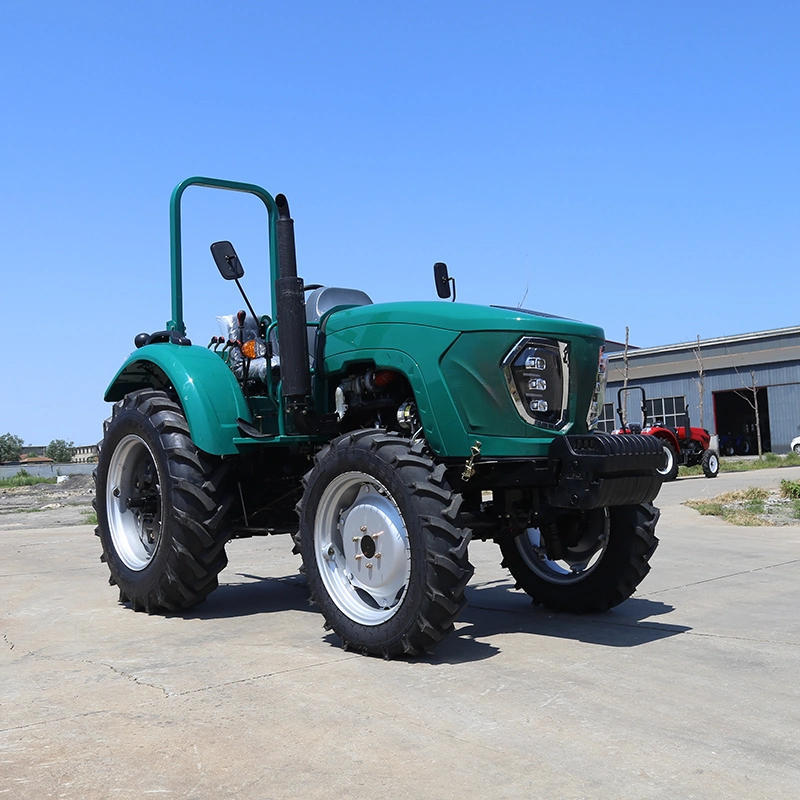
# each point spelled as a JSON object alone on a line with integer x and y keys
{"x": 795, "y": 445}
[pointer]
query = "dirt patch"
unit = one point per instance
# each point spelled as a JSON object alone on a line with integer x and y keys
{"x": 48, "y": 505}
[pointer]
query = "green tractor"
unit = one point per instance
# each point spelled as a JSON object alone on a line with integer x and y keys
{"x": 382, "y": 438}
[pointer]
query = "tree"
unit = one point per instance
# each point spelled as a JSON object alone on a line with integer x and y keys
{"x": 752, "y": 400}
{"x": 60, "y": 451}
{"x": 10, "y": 447}
{"x": 624, "y": 405}
{"x": 700, "y": 380}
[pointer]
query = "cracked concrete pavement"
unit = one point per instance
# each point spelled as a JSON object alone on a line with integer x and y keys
{"x": 687, "y": 690}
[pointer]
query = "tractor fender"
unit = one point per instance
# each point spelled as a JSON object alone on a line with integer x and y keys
{"x": 204, "y": 385}
{"x": 667, "y": 435}
{"x": 702, "y": 436}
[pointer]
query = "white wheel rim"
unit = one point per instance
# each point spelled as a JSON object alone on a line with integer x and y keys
{"x": 133, "y": 502}
{"x": 670, "y": 459}
{"x": 580, "y": 561}
{"x": 361, "y": 548}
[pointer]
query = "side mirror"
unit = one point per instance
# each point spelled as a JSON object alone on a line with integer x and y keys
{"x": 443, "y": 281}
{"x": 227, "y": 261}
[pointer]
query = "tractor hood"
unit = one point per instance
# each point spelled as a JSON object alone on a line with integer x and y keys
{"x": 456, "y": 359}
{"x": 459, "y": 317}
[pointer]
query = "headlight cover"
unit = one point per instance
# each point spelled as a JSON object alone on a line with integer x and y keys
{"x": 537, "y": 374}
{"x": 599, "y": 394}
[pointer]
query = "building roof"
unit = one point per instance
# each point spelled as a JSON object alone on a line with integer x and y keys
{"x": 720, "y": 340}
{"x": 744, "y": 350}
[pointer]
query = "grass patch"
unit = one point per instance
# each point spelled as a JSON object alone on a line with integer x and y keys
{"x": 790, "y": 489}
{"x": 733, "y": 512}
{"x": 754, "y": 507}
{"x": 768, "y": 461}
{"x": 22, "y": 478}
{"x": 707, "y": 508}
{"x": 91, "y": 517}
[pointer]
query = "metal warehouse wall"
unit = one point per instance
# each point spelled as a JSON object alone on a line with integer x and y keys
{"x": 784, "y": 409}
{"x": 671, "y": 371}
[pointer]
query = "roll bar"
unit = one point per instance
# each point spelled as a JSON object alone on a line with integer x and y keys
{"x": 176, "y": 256}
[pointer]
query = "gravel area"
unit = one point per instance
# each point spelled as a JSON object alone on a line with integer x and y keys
{"x": 47, "y": 505}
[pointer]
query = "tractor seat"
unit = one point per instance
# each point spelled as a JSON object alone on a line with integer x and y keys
{"x": 319, "y": 303}
{"x": 324, "y": 300}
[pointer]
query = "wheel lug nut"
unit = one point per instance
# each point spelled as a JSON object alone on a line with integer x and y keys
{"x": 356, "y": 538}
{"x": 363, "y": 529}
{"x": 358, "y": 556}
{"x": 116, "y": 491}
{"x": 369, "y": 565}
{"x": 331, "y": 551}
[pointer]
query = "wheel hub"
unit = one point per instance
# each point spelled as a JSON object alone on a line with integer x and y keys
{"x": 367, "y": 545}
{"x": 579, "y": 558}
{"x": 362, "y": 548}
{"x": 133, "y": 502}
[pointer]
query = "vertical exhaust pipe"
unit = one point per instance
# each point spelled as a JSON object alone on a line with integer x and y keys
{"x": 290, "y": 300}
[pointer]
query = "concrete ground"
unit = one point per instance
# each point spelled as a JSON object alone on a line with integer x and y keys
{"x": 687, "y": 690}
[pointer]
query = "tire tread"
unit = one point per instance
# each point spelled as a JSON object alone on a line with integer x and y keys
{"x": 195, "y": 487}
{"x": 446, "y": 565}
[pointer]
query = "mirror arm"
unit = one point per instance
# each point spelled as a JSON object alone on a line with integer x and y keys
{"x": 246, "y": 300}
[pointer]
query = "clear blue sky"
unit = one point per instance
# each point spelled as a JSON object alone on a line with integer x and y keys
{"x": 625, "y": 163}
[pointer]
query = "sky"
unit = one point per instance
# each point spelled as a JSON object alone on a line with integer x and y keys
{"x": 627, "y": 164}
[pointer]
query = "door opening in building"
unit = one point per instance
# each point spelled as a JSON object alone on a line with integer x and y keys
{"x": 735, "y": 420}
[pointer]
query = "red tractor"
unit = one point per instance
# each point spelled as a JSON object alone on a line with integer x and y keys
{"x": 685, "y": 445}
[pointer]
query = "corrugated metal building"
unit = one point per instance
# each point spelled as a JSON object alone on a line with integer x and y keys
{"x": 735, "y": 371}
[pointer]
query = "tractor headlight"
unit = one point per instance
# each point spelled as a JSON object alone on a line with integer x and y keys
{"x": 599, "y": 394}
{"x": 537, "y": 374}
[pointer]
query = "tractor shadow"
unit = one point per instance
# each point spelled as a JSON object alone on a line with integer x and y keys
{"x": 243, "y": 594}
{"x": 495, "y": 609}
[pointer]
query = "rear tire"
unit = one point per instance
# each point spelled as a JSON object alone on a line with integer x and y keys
{"x": 385, "y": 561}
{"x": 710, "y": 463}
{"x": 599, "y": 571}
{"x": 670, "y": 468}
{"x": 160, "y": 506}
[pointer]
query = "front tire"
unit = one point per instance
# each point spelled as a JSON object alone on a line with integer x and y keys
{"x": 601, "y": 566}
{"x": 159, "y": 506}
{"x": 710, "y": 464}
{"x": 385, "y": 560}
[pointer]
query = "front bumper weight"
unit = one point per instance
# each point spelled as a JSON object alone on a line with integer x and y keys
{"x": 598, "y": 469}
